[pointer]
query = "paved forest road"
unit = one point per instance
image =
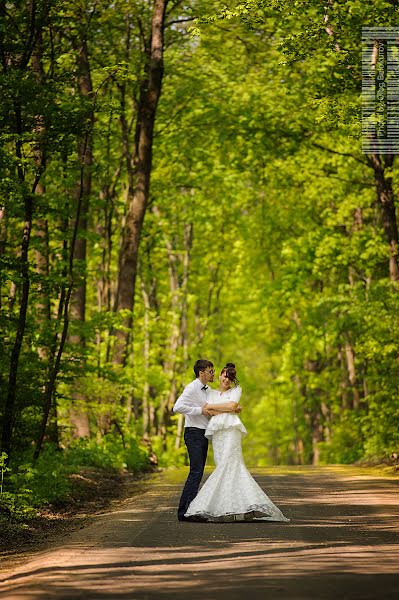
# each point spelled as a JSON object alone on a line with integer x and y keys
{"x": 342, "y": 543}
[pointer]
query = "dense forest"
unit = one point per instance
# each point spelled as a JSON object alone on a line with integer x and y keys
{"x": 184, "y": 180}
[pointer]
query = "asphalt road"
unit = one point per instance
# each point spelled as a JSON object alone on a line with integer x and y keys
{"x": 342, "y": 543}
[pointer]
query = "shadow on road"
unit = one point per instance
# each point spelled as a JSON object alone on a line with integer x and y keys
{"x": 342, "y": 542}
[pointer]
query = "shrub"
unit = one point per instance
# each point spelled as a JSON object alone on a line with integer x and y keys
{"x": 167, "y": 454}
{"x": 111, "y": 452}
{"x": 48, "y": 480}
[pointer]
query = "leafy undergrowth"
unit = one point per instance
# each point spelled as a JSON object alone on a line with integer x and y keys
{"x": 91, "y": 490}
{"x": 389, "y": 463}
{"x": 41, "y": 498}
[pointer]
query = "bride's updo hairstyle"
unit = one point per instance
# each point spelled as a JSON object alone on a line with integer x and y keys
{"x": 230, "y": 371}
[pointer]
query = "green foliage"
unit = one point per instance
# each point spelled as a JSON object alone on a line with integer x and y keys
{"x": 346, "y": 445}
{"x": 43, "y": 483}
{"x": 169, "y": 455}
{"x": 17, "y": 506}
{"x": 34, "y": 486}
{"x": 3, "y": 469}
{"x": 111, "y": 452}
{"x": 263, "y": 242}
{"x": 48, "y": 481}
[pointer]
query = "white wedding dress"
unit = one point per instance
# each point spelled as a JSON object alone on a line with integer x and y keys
{"x": 230, "y": 493}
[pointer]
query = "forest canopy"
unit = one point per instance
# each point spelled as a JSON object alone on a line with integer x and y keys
{"x": 184, "y": 180}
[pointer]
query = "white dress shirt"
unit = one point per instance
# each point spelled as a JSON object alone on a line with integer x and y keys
{"x": 190, "y": 404}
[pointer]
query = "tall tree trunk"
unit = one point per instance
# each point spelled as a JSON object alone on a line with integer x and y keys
{"x": 178, "y": 282}
{"x": 344, "y": 384}
{"x": 386, "y": 202}
{"x": 138, "y": 192}
{"x": 34, "y": 25}
{"x": 3, "y": 238}
{"x": 79, "y": 413}
{"x": 146, "y": 350}
{"x": 8, "y": 417}
{"x": 383, "y": 182}
{"x": 179, "y": 431}
{"x": 41, "y": 228}
{"x": 299, "y": 443}
{"x": 188, "y": 240}
{"x": 151, "y": 311}
{"x": 317, "y": 436}
{"x": 295, "y": 424}
{"x": 42, "y": 232}
{"x": 315, "y": 402}
{"x": 350, "y": 362}
{"x": 63, "y": 316}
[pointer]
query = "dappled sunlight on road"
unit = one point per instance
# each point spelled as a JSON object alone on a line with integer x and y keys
{"x": 342, "y": 541}
{"x": 115, "y": 573}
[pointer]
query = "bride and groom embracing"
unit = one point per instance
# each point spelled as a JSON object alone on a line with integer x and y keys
{"x": 230, "y": 492}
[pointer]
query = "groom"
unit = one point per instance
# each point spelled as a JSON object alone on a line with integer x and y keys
{"x": 191, "y": 404}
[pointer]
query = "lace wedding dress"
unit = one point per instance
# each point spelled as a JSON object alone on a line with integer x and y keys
{"x": 230, "y": 493}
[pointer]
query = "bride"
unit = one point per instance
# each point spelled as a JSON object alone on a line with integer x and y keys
{"x": 230, "y": 492}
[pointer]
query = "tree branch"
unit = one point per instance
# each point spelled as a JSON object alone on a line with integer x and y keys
{"x": 348, "y": 154}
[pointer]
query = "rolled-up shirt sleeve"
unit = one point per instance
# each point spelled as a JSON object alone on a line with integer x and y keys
{"x": 185, "y": 404}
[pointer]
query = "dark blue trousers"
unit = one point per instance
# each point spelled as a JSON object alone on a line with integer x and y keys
{"x": 197, "y": 446}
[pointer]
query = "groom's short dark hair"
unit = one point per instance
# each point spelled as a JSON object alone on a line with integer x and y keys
{"x": 201, "y": 365}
